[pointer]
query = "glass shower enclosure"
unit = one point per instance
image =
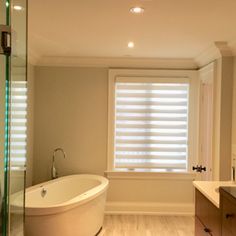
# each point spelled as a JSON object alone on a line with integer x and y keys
{"x": 13, "y": 114}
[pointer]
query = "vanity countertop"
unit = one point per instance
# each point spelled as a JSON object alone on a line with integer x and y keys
{"x": 210, "y": 189}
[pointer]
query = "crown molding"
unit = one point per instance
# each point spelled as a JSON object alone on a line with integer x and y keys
{"x": 206, "y": 73}
{"x": 214, "y": 52}
{"x": 117, "y": 62}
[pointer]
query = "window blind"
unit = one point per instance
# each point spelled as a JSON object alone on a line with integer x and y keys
{"x": 151, "y": 126}
{"x": 18, "y": 112}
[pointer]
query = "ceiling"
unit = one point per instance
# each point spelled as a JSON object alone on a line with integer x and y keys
{"x": 102, "y": 28}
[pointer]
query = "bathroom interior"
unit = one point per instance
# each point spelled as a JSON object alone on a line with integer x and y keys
{"x": 118, "y": 118}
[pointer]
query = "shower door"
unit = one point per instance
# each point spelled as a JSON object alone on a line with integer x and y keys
{"x": 13, "y": 97}
{"x": 4, "y": 138}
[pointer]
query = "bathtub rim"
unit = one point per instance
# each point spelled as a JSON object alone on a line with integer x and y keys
{"x": 83, "y": 198}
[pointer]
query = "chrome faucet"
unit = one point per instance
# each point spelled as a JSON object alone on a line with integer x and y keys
{"x": 54, "y": 173}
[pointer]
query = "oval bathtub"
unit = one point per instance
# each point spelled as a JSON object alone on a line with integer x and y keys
{"x": 67, "y": 206}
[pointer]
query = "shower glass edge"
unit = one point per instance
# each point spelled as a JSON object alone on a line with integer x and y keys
{"x": 13, "y": 74}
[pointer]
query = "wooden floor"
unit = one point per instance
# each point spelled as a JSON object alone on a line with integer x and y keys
{"x": 117, "y": 225}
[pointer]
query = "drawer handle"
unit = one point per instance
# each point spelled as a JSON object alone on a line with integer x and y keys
{"x": 228, "y": 216}
{"x": 207, "y": 230}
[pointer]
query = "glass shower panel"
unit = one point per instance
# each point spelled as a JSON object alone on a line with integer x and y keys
{"x": 4, "y": 138}
{"x": 18, "y": 108}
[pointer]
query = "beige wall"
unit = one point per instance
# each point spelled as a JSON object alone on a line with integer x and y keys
{"x": 71, "y": 112}
{"x": 151, "y": 190}
{"x": 234, "y": 113}
{"x": 222, "y": 125}
{"x": 226, "y": 118}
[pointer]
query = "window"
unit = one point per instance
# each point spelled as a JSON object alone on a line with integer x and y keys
{"x": 151, "y": 123}
{"x": 18, "y": 114}
{"x": 151, "y": 126}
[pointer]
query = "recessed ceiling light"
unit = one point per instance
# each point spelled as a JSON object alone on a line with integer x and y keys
{"x": 130, "y": 44}
{"x": 137, "y": 10}
{"x": 18, "y": 8}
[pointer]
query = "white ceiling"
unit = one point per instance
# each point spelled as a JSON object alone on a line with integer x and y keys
{"x": 102, "y": 28}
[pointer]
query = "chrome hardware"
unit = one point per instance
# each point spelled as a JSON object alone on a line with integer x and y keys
{"x": 43, "y": 192}
{"x": 199, "y": 168}
{"x": 5, "y": 38}
{"x": 54, "y": 173}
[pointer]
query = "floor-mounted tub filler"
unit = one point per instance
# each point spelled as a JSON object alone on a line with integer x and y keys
{"x": 68, "y": 206}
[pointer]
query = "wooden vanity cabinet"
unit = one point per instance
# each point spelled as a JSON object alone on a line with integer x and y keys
{"x": 207, "y": 217}
{"x": 200, "y": 229}
{"x": 228, "y": 212}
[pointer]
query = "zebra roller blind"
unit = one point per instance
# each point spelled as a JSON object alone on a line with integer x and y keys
{"x": 151, "y": 126}
{"x": 18, "y": 112}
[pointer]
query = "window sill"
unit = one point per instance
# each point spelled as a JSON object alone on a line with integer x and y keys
{"x": 149, "y": 175}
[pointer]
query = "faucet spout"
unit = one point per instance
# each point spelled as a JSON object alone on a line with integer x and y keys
{"x": 54, "y": 173}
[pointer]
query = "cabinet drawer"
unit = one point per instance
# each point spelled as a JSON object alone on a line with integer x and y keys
{"x": 200, "y": 229}
{"x": 228, "y": 217}
{"x": 208, "y": 214}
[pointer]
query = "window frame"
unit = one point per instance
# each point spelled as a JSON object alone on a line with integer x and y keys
{"x": 171, "y": 76}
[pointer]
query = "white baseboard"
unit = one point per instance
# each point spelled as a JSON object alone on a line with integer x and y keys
{"x": 147, "y": 208}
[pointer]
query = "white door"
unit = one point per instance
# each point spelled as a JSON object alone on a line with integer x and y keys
{"x": 206, "y": 125}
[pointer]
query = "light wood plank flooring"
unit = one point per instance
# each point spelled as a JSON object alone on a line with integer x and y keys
{"x": 130, "y": 225}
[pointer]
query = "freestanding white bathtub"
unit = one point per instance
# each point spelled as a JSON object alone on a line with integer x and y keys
{"x": 67, "y": 206}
